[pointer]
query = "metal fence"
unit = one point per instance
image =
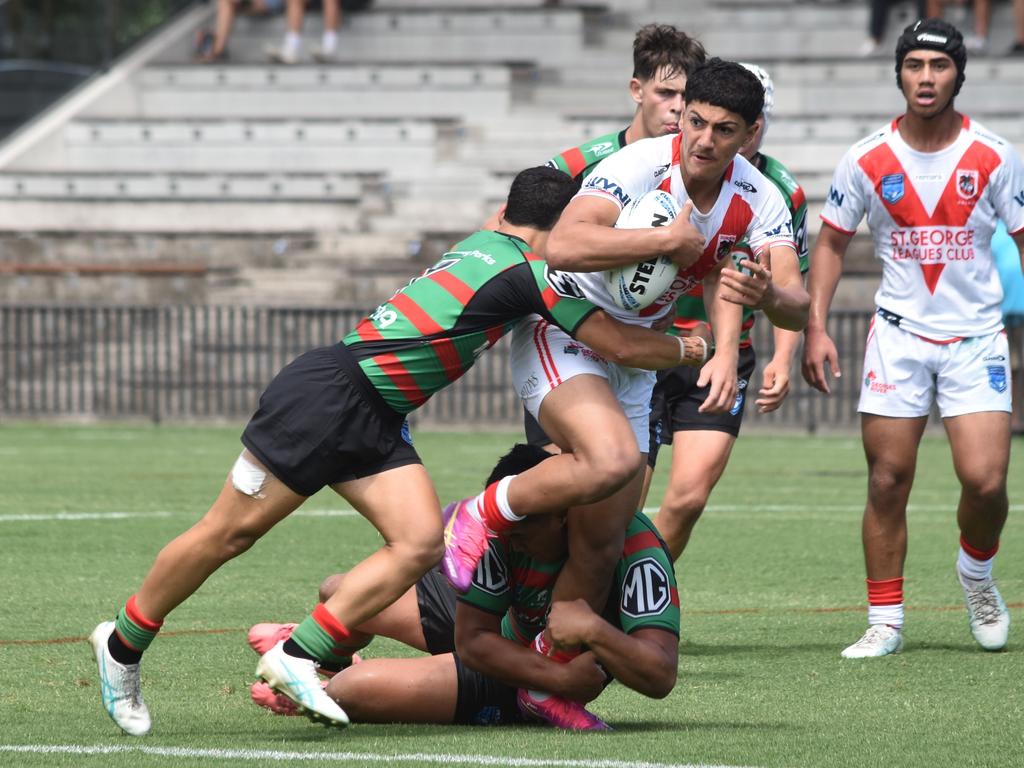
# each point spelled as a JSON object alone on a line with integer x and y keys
{"x": 209, "y": 362}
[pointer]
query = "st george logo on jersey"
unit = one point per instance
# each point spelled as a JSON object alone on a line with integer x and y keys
{"x": 892, "y": 188}
{"x": 966, "y": 183}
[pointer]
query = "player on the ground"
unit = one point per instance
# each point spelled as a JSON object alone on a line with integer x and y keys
{"x": 481, "y": 644}
{"x": 702, "y": 442}
{"x": 579, "y": 397}
{"x": 337, "y": 416}
{"x": 932, "y": 184}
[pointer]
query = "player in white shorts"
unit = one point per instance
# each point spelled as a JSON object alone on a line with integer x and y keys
{"x": 932, "y": 185}
{"x": 724, "y": 200}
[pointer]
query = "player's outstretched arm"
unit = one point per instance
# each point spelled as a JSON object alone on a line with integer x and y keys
{"x": 480, "y": 645}
{"x": 719, "y": 373}
{"x": 646, "y": 660}
{"x": 773, "y": 284}
{"x": 636, "y": 347}
{"x": 826, "y": 269}
{"x": 585, "y": 238}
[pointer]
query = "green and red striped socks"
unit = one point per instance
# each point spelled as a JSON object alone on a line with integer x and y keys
{"x": 324, "y": 639}
{"x": 132, "y": 634}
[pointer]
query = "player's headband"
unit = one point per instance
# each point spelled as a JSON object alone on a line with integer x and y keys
{"x": 933, "y": 35}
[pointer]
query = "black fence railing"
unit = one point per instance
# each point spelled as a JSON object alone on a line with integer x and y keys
{"x": 211, "y": 362}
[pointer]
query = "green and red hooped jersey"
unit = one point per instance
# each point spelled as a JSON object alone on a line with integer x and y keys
{"x": 579, "y": 161}
{"x": 430, "y": 332}
{"x": 690, "y": 307}
{"x": 510, "y": 584}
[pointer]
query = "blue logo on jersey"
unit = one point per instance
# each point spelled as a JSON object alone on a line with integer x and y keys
{"x": 836, "y": 198}
{"x": 892, "y": 188}
{"x": 603, "y": 184}
{"x": 1019, "y": 199}
{"x": 997, "y": 378}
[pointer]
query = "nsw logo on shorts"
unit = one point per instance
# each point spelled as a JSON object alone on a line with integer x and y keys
{"x": 997, "y": 378}
{"x": 741, "y": 387}
{"x": 646, "y": 589}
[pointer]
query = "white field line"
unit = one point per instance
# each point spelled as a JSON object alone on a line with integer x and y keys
{"x": 335, "y": 757}
{"x": 753, "y": 511}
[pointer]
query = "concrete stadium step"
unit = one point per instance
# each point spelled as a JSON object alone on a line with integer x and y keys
{"x": 190, "y": 186}
{"x": 553, "y": 35}
{"x": 387, "y": 91}
{"x": 238, "y": 146}
{"x": 172, "y": 216}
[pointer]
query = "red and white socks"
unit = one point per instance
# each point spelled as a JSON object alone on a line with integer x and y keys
{"x": 885, "y": 602}
{"x": 974, "y": 566}
{"x": 492, "y": 508}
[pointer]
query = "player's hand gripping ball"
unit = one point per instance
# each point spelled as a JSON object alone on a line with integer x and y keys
{"x": 636, "y": 286}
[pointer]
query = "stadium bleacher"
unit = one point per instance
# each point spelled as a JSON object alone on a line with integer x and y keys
{"x": 412, "y": 135}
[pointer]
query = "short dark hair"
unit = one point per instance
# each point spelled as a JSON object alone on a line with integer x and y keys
{"x": 537, "y": 197}
{"x": 521, "y": 458}
{"x": 728, "y": 85}
{"x": 662, "y": 45}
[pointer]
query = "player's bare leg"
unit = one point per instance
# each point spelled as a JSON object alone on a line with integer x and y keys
{"x": 402, "y": 505}
{"x": 890, "y": 445}
{"x": 251, "y": 502}
{"x": 699, "y": 458}
{"x": 980, "y": 444}
{"x": 600, "y": 455}
{"x": 421, "y": 690}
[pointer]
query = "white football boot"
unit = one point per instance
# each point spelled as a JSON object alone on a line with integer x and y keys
{"x": 298, "y": 680}
{"x": 989, "y": 619}
{"x": 120, "y": 687}
{"x": 879, "y": 640}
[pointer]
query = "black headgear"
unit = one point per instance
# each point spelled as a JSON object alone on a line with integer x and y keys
{"x": 934, "y": 35}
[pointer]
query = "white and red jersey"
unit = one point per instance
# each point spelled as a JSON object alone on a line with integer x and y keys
{"x": 749, "y": 207}
{"x": 932, "y": 215}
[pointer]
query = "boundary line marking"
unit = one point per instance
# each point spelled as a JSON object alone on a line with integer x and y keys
{"x": 292, "y": 756}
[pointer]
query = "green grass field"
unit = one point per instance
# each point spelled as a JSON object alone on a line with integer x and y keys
{"x": 772, "y": 589}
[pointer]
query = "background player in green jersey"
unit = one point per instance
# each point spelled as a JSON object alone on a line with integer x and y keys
{"x": 702, "y": 442}
{"x": 336, "y": 416}
{"x": 479, "y": 646}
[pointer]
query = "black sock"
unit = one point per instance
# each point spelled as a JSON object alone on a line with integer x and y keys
{"x": 122, "y": 653}
{"x": 294, "y": 649}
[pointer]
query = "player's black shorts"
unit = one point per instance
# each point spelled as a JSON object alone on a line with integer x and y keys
{"x": 481, "y": 700}
{"x": 321, "y": 422}
{"x": 677, "y": 397}
{"x": 436, "y": 600}
{"x": 535, "y": 434}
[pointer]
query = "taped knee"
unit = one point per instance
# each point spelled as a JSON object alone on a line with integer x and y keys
{"x": 248, "y": 478}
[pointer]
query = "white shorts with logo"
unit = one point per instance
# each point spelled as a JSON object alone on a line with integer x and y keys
{"x": 904, "y": 373}
{"x": 544, "y": 356}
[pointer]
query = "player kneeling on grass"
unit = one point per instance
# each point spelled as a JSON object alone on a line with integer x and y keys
{"x": 337, "y": 416}
{"x": 480, "y": 642}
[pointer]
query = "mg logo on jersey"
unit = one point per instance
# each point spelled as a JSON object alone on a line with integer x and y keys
{"x": 645, "y": 588}
{"x": 892, "y": 188}
{"x": 602, "y": 184}
{"x": 563, "y": 284}
{"x": 966, "y": 183}
{"x": 835, "y": 197}
{"x": 491, "y": 575}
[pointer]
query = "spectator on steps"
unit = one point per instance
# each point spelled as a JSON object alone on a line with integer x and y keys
{"x": 982, "y": 10}
{"x": 211, "y": 45}
{"x": 289, "y": 50}
{"x": 877, "y": 22}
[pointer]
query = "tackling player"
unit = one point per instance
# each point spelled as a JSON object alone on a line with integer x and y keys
{"x": 702, "y": 442}
{"x": 337, "y": 416}
{"x": 932, "y": 184}
{"x": 480, "y": 645}
{"x": 728, "y": 201}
